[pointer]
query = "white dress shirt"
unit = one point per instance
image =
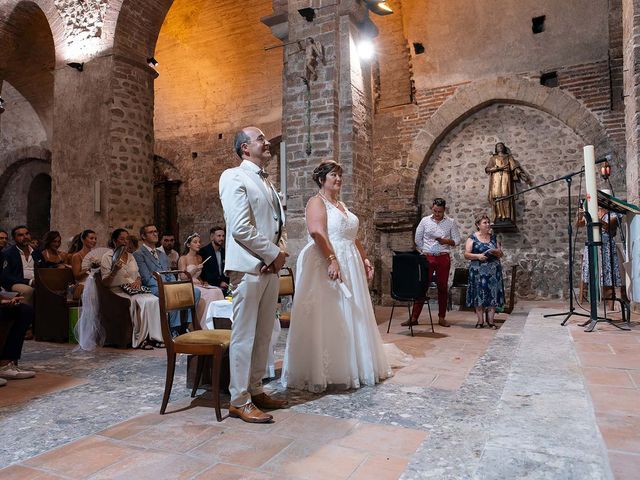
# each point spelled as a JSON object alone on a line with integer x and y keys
{"x": 429, "y": 229}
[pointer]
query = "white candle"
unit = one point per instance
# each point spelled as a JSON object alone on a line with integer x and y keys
{"x": 590, "y": 183}
{"x": 283, "y": 173}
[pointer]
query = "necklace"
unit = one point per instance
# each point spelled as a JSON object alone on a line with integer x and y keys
{"x": 334, "y": 203}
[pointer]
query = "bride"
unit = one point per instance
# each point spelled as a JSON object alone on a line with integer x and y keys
{"x": 333, "y": 338}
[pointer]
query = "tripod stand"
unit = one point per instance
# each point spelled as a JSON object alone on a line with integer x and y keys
{"x": 568, "y": 179}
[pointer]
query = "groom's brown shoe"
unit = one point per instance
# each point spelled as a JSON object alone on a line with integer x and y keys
{"x": 262, "y": 400}
{"x": 249, "y": 413}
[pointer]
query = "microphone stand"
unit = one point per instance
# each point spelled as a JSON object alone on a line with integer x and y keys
{"x": 568, "y": 179}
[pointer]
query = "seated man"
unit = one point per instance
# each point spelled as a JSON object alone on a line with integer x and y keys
{"x": 213, "y": 270}
{"x": 17, "y": 265}
{"x": 15, "y": 318}
{"x": 152, "y": 259}
{"x": 167, "y": 242}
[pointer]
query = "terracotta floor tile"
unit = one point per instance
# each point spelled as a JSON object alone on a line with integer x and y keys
{"x": 133, "y": 426}
{"x": 448, "y": 382}
{"x": 384, "y": 439}
{"x": 18, "y": 391}
{"x": 635, "y": 376}
{"x": 175, "y": 438}
{"x": 318, "y": 428}
{"x": 625, "y": 466}
{"x": 153, "y": 465}
{"x": 608, "y": 360}
{"x": 221, "y": 471}
{"x": 312, "y": 460}
{"x": 617, "y": 400}
{"x": 587, "y": 348}
{"x": 380, "y": 467}
{"x": 412, "y": 378}
{"x": 18, "y": 472}
{"x": 620, "y": 432}
{"x": 607, "y": 376}
{"x": 626, "y": 349}
{"x": 249, "y": 449}
{"x": 82, "y": 458}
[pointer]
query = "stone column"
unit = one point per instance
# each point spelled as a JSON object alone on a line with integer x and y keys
{"x": 340, "y": 108}
{"x": 102, "y": 131}
{"x": 631, "y": 73}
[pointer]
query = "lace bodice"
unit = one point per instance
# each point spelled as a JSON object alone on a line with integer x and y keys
{"x": 340, "y": 226}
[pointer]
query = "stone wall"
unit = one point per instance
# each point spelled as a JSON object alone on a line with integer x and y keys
{"x": 215, "y": 78}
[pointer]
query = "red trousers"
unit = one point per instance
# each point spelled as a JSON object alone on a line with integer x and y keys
{"x": 441, "y": 264}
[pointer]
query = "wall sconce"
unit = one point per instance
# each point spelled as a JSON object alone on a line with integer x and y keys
{"x": 379, "y": 7}
{"x": 1, "y": 105}
{"x": 76, "y": 65}
{"x": 152, "y": 62}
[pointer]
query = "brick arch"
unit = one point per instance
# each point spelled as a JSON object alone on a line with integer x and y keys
{"x": 137, "y": 26}
{"x": 470, "y": 98}
{"x": 19, "y": 164}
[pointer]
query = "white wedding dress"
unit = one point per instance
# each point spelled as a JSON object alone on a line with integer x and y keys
{"x": 333, "y": 340}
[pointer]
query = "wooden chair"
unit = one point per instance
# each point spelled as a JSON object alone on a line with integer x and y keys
{"x": 179, "y": 295}
{"x": 51, "y": 321}
{"x": 287, "y": 288}
{"x": 115, "y": 315}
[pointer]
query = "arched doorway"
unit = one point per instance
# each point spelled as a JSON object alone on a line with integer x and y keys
{"x": 39, "y": 205}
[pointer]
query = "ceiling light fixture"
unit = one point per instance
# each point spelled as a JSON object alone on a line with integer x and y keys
{"x": 379, "y": 7}
{"x": 309, "y": 13}
{"x": 76, "y": 65}
{"x": 366, "y": 49}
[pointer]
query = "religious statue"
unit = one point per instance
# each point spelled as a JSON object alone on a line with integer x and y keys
{"x": 313, "y": 53}
{"x": 503, "y": 172}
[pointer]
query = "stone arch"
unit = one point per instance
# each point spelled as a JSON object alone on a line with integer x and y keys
{"x": 15, "y": 183}
{"x": 137, "y": 26}
{"x": 470, "y": 98}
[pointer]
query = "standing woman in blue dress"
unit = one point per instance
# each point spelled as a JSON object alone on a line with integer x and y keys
{"x": 486, "y": 288}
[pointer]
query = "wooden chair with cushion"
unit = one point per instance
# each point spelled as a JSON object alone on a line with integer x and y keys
{"x": 51, "y": 321}
{"x": 287, "y": 288}
{"x": 179, "y": 295}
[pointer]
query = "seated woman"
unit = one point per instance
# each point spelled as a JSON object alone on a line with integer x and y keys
{"x": 82, "y": 245}
{"x": 192, "y": 263}
{"x": 486, "y": 288}
{"x": 145, "y": 307}
{"x": 50, "y": 255}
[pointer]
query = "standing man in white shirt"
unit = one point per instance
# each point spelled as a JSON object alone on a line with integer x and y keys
{"x": 255, "y": 254}
{"x": 435, "y": 236}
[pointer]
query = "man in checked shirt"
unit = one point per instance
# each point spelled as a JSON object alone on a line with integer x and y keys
{"x": 435, "y": 236}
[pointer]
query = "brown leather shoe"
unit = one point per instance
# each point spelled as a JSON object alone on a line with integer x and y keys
{"x": 262, "y": 400}
{"x": 249, "y": 413}
{"x": 409, "y": 322}
{"x": 443, "y": 323}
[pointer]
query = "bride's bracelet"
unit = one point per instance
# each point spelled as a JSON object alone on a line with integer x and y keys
{"x": 331, "y": 258}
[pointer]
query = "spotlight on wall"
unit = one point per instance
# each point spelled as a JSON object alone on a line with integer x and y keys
{"x": 379, "y": 7}
{"x": 307, "y": 13}
{"x": 152, "y": 62}
{"x": 365, "y": 49}
{"x": 76, "y": 65}
{"x": 1, "y": 105}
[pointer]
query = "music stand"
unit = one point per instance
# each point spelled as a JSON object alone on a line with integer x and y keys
{"x": 615, "y": 205}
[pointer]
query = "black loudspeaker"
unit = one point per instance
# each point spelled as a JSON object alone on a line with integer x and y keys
{"x": 409, "y": 275}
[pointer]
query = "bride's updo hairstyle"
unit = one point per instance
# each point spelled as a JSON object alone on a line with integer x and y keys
{"x": 325, "y": 168}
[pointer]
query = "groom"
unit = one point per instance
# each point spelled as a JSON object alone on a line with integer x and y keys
{"x": 254, "y": 256}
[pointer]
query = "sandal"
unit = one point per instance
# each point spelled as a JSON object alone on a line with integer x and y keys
{"x": 479, "y": 324}
{"x": 157, "y": 344}
{"x": 146, "y": 345}
{"x": 492, "y": 325}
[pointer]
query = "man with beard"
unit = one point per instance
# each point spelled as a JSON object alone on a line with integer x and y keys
{"x": 255, "y": 254}
{"x": 213, "y": 269}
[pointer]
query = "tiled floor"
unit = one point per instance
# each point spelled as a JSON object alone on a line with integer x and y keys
{"x": 373, "y": 433}
{"x": 610, "y": 360}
